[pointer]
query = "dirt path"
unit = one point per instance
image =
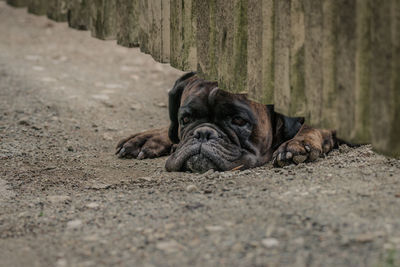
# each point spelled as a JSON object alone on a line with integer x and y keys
{"x": 66, "y": 200}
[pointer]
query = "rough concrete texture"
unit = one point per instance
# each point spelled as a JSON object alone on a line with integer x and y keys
{"x": 66, "y": 200}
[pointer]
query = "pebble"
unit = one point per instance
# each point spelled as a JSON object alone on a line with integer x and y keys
{"x": 107, "y": 136}
{"x": 161, "y": 105}
{"x": 169, "y": 246}
{"x": 107, "y": 104}
{"x": 191, "y": 188}
{"x": 214, "y": 228}
{"x": 58, "y": 199}
{"x": 135, "y": 106}
{"x": 74, "y": 224}
{"x": 24, "y": 121}
{"x": 99, "y": 185}
{"x": 270, "y": 242}
{"x": 93, "y": 205}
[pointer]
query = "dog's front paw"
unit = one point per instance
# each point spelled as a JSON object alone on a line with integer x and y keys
{"x": 149, "y": 144}
{"x": 296, "y": 150}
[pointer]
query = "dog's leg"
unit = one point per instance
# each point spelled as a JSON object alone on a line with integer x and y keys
{"x": 148, "y": 144}
{"x": 307, "y": 145}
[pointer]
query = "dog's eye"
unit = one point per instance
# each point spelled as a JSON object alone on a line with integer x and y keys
{"x": 185, "y": 120}
{"x": 239, "y": 121}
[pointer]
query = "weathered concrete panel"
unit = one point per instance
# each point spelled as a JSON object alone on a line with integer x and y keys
{"x": 183, "y": 35}
{"x": 385, "y": 81}
{"x": 79, "y": 14}
{"x": 18, "y": 3}
{"x": 222, "y": 42}
{"x": 103, "y": 15}
{"x": 282, "y": 44}
{"x": 57, "y": 10}
{"x": 128, "y": 23}
{"x": 362, "y": 125}
{"x": 153, "y": 22}
{"x": 260, "y": 50}
{"x": 37, "y": 7}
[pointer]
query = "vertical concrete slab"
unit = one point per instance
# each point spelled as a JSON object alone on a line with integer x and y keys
{"x": 128, "y": 23}
{"x": 103, "y": 22}
{"x": 282, "y": 93}
{"x": 297, "y": 70}
{"x": 260, "y": 51}
{"x": 385, "y": 81}
{"x": 329, "y": 116}
{"x": 313, "y": 61}
{"x": 165, "y": 31}
{"x": 57, "y": 10}
{"x": 183, "y": 35}
{"x": 150, "y": 31}
{"x": 345, "y": 66}
{"x": 18, "y": 3}
{"x": 222, "y": 43}
{"x": 361, "y": 132}
{"x": 144, "y": 26}
{"x": 79, "y": 14}
{"x": 37, "y": 7}
{"x": 205, "y": 39}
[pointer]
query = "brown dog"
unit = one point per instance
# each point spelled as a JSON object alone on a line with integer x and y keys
{"x": 214, "y": 129}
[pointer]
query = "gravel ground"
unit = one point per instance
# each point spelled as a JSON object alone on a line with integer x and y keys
{"x": 66, "y": 200}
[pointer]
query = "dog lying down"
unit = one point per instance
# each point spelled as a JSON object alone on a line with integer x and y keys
{"x": 213, "y": 129}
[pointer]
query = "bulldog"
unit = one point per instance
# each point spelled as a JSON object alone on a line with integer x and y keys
{"x": 213, "y": 129}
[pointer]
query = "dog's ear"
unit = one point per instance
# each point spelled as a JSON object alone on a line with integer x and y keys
{"x": 174, "y": 100}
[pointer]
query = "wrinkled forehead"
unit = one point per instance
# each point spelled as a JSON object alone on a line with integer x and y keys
{"x": 197, "y": 91}
{"x": 202, "y": 95}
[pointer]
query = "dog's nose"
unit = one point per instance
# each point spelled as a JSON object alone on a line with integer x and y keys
{"x": 205, "y": 134}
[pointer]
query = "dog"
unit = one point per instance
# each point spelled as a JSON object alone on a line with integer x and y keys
{"x": 214, "y": 129}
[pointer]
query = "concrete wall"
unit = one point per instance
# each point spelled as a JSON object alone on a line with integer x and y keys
{"x": 336, "y": 62}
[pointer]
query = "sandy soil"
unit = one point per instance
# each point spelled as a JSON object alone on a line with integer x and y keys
{"x": 66, "y": 200}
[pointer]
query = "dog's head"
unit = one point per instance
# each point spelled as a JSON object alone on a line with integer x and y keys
{"x": 214, "y": 129}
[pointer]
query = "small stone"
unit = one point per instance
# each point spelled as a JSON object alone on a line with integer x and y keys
{"x": 91, "y": 238}
{"x": 58, "y": 199}
{"x": 48, "y": 79}
{"x": 99, "y": 185}
{"x": 364, "y": 238}
{"x": 270, "y": 242}
{"x": 136, "y": 106}
{"x": 38, "y": 68}
{"x": 93, "y": 205}
{"x": 24, "y": 122}
{"x": 107, "y": 136}
{"x": 191, "y": 188}
{"x": 61, "y": 263}
{"x": 169, "y": 246}
{"x": 74, "y": 224}
{"x": 161, "y": 105}
{"x": 145, "y": 179}
{"x": 107, "y": 104}
{"x": 214, "y": 228}
{"x": 113, "y": 86}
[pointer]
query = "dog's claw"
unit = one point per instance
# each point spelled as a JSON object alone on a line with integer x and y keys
{"x": 141, "y": 155}
{"x": 121, "y": 152}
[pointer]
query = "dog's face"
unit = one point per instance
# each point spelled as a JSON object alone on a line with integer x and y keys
{"x": 216, "y": 130}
